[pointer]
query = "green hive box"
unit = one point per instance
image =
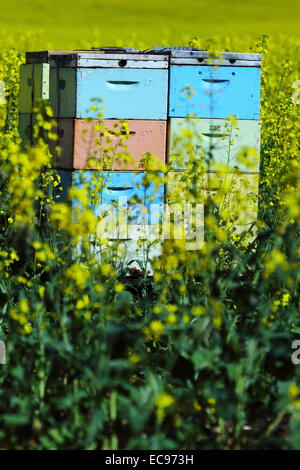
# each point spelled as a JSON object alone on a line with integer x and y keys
{"x": 215, "y": 142}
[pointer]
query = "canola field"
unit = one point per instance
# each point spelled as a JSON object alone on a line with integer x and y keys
{"x": 202, "y": 352}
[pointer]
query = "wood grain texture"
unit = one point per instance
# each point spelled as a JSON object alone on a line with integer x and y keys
{"x": 34, "y": 85}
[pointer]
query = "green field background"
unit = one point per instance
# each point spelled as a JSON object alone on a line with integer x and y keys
{"x": 65, "y": 23}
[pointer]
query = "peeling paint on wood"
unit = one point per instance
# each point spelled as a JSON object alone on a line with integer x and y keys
{"x": 34, "y": 85}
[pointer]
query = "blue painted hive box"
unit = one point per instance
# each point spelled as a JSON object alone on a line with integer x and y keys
{"x": 130, "y": 86}
{"x": 214, "y": 87}
{"x": 143, "y": 199}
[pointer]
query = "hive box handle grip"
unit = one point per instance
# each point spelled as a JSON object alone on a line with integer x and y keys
{"x": 122, "y": 133}
{"x": 215, "y": 80}
{"x": 212, "y": 134}
{"x": 122, "y": 84}
{"x": 121, "y": 188}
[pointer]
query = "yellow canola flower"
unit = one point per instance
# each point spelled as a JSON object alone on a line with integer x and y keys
{"x": 61, "y": 216}
{"x": 20, "y": 314}
{"x": 171, "y": 262}
{"x": 296, "y": 405}
{"x": 83, "y": 303}
{"x": 172, "y": 318}
{"x": 79, "y": 274}
{"x": 79, "y": 194}
{"x": 157, "y": 309}
{"x": 275, "y": 260}
{"x": 134, "y": 358}
{"x": 14, "y": 256}
{"x": 217, "y": 321}
{"x": 99, "y": 288}
{"x": 293, "y": 390}
{"x": 285, "y": 299}
{"x": 197, "y": 406}
{"x": 157, "y": 328}
{"x": 107, "y": 270}
{"x": 164, "y": 400}
{"x": 43, "y": 252}
{"x": 41, "y": 291}
{"x": 24, "y": 306}
{"x": 212, "y": 401}
{"x": 37, "y": 245}
{"x": 86, "y": 224}
{"x": 172, "y": 308}
{"x": 27, "y": 328}
{"x": 154, "y": 330}
{"x": 119, "y": 287}
{"x": 197, "y": 311}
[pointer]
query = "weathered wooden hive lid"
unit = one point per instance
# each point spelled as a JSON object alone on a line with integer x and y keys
{"x": 155, "y": 57}
{"x": 194, "y": 56}
{"x": 174, "y": 49}
{"x": 102, "y": 57}
{"x": 116, "y": 50}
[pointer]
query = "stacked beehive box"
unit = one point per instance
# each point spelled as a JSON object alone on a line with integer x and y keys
{"x": 133, "y": 87}
{"x": 215, "y": 90}
{"x": 145, "y": 89}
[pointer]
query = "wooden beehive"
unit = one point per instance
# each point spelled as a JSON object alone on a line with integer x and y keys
{"x": 160, "y": 93}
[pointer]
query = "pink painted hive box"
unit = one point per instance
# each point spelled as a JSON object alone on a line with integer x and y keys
{"x": 87, "y": 143}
